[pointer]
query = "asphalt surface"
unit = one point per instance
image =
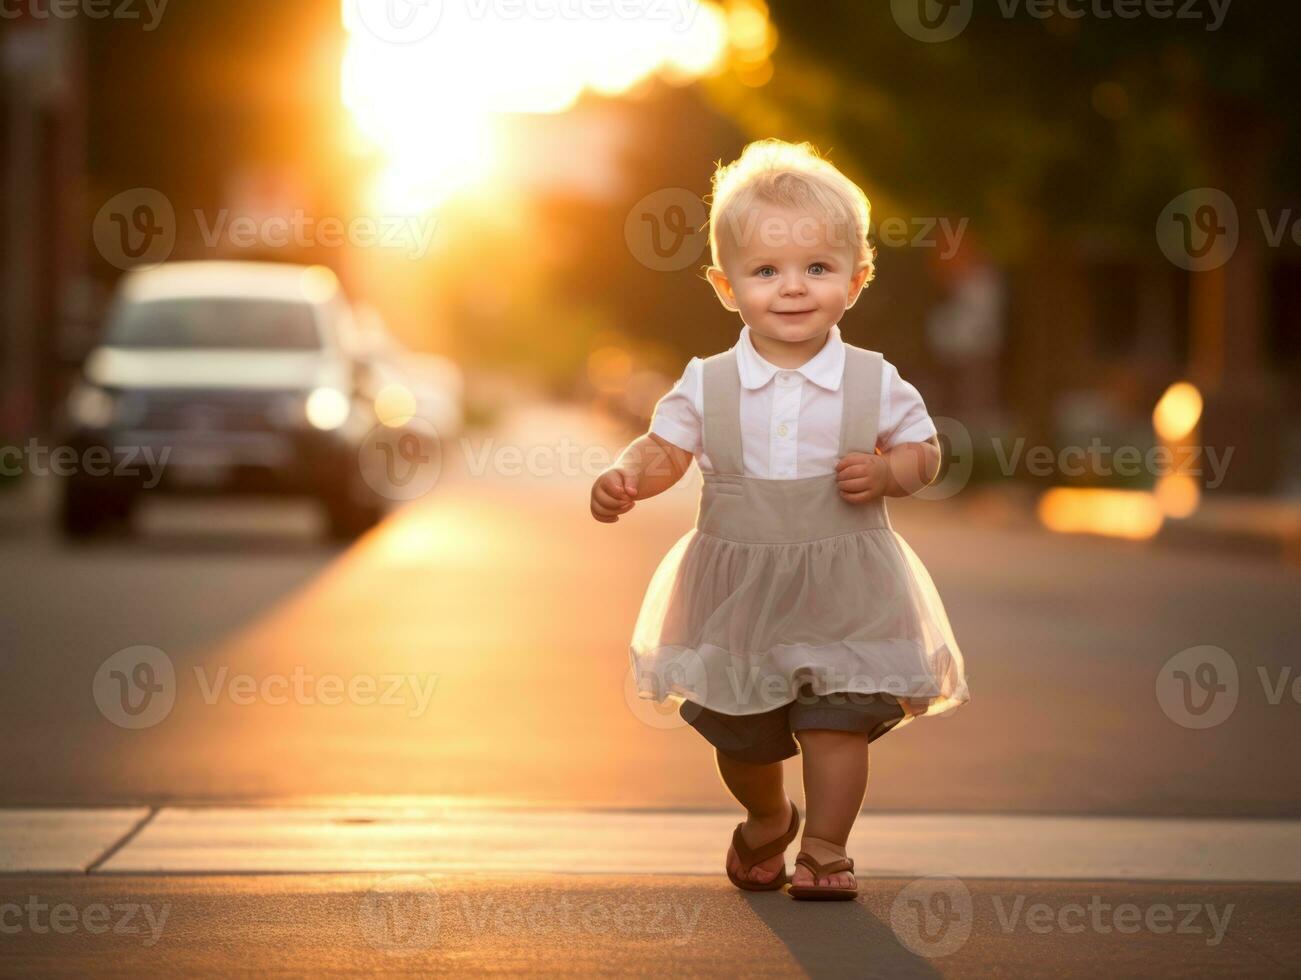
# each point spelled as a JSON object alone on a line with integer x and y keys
{"x": 579, "y": 925}
{"x": 495, "y": 613}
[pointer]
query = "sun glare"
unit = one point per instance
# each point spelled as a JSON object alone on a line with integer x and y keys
{"x": 431, "y": 104}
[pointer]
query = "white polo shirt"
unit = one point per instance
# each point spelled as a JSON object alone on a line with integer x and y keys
{"x": 790, "y": 419}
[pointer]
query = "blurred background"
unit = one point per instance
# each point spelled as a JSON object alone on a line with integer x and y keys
{"x": 1088, "y": 233}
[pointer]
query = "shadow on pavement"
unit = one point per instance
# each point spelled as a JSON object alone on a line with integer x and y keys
{"x": 837, "y": 939}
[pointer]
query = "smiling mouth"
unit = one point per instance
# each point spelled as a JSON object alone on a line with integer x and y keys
{"x": 793, "y": 312}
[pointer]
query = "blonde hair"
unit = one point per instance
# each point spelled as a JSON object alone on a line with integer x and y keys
{"x": 791, "y": 175}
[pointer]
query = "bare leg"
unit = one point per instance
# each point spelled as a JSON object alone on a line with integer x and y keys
{"x": 835, "y": 782}
{"x": 759, "y": 789}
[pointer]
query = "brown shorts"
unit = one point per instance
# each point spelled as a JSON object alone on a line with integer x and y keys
{"x": 768, "y": 736}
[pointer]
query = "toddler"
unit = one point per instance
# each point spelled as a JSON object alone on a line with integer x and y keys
{"x": 792, "y": 618}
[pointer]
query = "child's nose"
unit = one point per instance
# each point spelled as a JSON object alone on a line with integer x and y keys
{"x": 792, "y": 285}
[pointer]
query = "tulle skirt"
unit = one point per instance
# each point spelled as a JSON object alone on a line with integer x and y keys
{"x": 738, "y": 625}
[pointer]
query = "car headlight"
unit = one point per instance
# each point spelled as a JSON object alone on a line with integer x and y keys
{"x": 91, "y": 407}
{"x": 327, "y": 408}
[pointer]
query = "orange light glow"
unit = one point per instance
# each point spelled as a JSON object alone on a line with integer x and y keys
{"x": 431, "y": 104}
{"x": 608, "y": 368}
{"x": 1113, "y": 513}
{"x": 1177, "y": 411}
{"x": 395, "y": 405}
{"x": 1178, "y": 494}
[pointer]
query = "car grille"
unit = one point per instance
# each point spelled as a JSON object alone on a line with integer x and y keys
{"x": 191, "y": 411}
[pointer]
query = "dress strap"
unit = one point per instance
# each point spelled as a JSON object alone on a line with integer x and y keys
{"x": 722, "y": 403}
{"x": 861, "y": 412}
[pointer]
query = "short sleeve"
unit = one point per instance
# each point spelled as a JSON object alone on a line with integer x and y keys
{"x": 677, "y": 416}
{"x": 903, "y": 413}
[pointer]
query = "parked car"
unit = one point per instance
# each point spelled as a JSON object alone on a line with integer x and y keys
{"x": 245, "y": 374}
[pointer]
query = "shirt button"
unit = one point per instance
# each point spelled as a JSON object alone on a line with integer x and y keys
{"x": 783, "y": 429}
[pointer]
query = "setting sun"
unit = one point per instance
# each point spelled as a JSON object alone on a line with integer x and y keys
{"x": 431, "y": 104}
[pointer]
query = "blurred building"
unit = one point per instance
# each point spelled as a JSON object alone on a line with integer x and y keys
{"x": 42, "y": 151}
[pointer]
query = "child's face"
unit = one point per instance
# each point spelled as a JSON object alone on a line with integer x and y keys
{"x": 789, "y": 273}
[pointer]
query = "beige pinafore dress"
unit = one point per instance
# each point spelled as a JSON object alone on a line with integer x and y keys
{"x": 781, "y": 583}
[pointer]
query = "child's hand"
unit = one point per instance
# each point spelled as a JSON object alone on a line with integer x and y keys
{"x": 861, "y": 477}
{"x": 613, "y": 493}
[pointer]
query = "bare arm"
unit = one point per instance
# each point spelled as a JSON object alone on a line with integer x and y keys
{"x": 912, "y": 466}
{"x": 900, "y": 471}
{"x": 648, "y": 466}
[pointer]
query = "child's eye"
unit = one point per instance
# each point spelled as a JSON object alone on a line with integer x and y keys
{"x": 817, "y": 268}
{"x": 766, "y": 272}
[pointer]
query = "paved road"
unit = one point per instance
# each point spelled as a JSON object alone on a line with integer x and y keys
{"x": 487, "y": 624}
{"x": 309, "y": 925}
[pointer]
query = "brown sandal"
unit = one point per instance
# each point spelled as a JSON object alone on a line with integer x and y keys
{"x": 823, "y": 893}
{"x": 749, "y": 857}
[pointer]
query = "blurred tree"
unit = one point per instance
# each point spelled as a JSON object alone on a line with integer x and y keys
{"x": 1059, "y": 136}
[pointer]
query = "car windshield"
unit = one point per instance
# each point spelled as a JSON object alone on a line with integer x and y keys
{"x": 211, "y": 322}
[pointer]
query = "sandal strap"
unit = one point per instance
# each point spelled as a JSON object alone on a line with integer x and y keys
{"x": 749, "y": 856}
{"x": 820, "y": 870}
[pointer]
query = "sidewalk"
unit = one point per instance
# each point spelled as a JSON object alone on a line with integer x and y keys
{"x": 436, "y": 885}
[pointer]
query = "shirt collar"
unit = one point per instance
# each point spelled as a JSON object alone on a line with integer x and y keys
{"x": 825, "y": 368}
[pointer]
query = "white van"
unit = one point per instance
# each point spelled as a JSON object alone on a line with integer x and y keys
{"x": 245, "y": 374}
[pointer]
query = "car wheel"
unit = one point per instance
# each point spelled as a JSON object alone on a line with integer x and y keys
{"x": 87, "y": 506}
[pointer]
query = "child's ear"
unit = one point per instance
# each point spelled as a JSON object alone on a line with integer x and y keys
{"x": 857, "y": 281}
{"x": 722, "y": 287}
